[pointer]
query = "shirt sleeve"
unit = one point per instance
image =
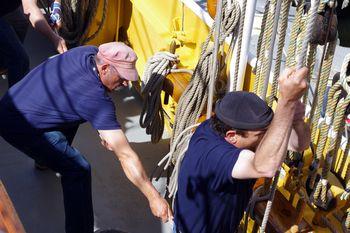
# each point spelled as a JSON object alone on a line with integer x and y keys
{"x": 220, "y": 163}
{"x": 100, "y": 113}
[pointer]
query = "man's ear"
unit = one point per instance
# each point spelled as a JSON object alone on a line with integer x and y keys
{"x": 231, "y": 136}
{"x": 104, "y": 69}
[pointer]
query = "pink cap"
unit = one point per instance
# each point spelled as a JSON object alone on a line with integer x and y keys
{"x": 121, "y": 57}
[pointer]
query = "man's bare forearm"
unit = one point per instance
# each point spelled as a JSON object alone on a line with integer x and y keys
{"x": 136, "y": 174}
{"x": 272, "y": 148}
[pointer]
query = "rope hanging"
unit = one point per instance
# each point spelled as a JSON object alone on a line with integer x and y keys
{"x": 325, "y": 124}
{"x": 152, "y": 113}
{"x": 260, "y": 47}
{"x": 324, "y": 75}
{"x": 299, "y": 42}
{"x": 310, "y": 62}
{"x": 269, "y": 202}
{"x": 296, "y": 29}
{"x": 337, "y": 129}
{"x": 77, "y": 17}
{"x": 321, "y": 190}
{"x": 239, "y": 43}
{"x": 281, "y": 40}
{"x": 264, "y": 72}
{"x": 193, "y": 99}
{"x": 300, "y": 63}
{"x": 345, "y": 75}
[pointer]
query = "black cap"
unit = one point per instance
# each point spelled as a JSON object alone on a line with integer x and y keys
{"x": 243, "y": 110}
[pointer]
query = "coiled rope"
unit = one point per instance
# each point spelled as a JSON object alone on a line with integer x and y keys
{"x": 152, "y": 114}
{"x": 77, "y": 17}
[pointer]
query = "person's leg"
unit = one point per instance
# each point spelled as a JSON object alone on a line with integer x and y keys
{"x": 53, "y": 150}
{"x": 13, "y": 57}
{"x": 69, "y": 133}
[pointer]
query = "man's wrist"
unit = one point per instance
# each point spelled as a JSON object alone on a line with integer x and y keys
{"x": 287, "y": 102}
{"x": 153, "y": 194}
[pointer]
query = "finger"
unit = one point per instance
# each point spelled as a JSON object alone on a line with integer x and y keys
{"x": 288, "y": 71}
{"x": 64, "y": 46}
{"x": 302, "y": 73}
{"x": 164, "y": 217}
{"x": 170, "y": 214}
{"x": 60, "y": 50}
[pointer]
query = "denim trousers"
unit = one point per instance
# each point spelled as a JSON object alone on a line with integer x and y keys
{"x": 13, "y": 56}
{"x": 53, "y": 149}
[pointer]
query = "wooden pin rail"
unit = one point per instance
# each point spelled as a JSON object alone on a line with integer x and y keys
{"x": 9, "y": 220}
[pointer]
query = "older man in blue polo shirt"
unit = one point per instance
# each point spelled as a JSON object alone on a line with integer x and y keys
{"x": 41, "y": 113}
{"x": 243, "y": 141}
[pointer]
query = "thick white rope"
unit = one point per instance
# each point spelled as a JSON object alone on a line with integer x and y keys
{"x": 158, "y": 64}
{"x": 309, "y": 28}
{"x": 269, "y": 202}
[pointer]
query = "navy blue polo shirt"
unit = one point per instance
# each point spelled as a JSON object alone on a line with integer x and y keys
{"x": 63, "y": 91}
{"x": 208, "y": 199}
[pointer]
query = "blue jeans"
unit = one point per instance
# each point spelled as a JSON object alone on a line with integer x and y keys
{"x": 13, "y": 57}
{"x": 53, "y": 149}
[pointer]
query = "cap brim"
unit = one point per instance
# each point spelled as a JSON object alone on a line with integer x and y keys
{"x": 128, "y": 74}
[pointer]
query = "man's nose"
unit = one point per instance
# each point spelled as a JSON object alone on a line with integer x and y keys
{"x": 125, "y": 83}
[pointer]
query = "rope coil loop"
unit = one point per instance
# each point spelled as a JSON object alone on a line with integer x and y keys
{"x": 152, "y": 113}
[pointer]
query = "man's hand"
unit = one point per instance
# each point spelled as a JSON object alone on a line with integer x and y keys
{"x": 115, "y": 140}
{"x": 293, "y": 83}
{"x": 161, "y": 209}
{"x": 59, "y": 44}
